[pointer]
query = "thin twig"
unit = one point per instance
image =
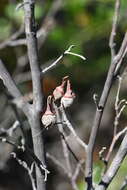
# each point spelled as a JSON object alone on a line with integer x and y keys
{"x": 64, "y": 145}
{"x": 24, "y": 148}
{"x": 12, "y": 40}
{"x": 99, "y": 112}
{"x": 118, "y": 111}
{"x": 10, "y": 131}
{"x": 57, "y": 162}
{"x": 13, "y": 90}
{"x": 112, "y": 170}
{"x": 114, "y": 140}
{"x": 77, "y": 169}
{"x": 70, "y": 127}
{"x": 121, "y": 54}
{"x": 29, "y": 170}
{"x": 47, "y": 25}
{"x": 66, "y": 52}
{"x": 114, "y": 27}
{"x": 124, "y": 184}
{"x": 66, "y": 150}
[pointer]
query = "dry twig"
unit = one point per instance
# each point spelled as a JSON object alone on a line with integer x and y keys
{"x": 115, "y": 61}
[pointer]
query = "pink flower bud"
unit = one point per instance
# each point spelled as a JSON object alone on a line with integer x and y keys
{"x": 48, "y": 119}
{"x": 59, "y": 90}
{"x": 68, "y": 97}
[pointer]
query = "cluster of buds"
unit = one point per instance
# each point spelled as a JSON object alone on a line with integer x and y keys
{"x": 65, "y": 98}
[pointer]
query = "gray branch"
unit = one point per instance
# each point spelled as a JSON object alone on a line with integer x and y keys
{"x": 30, "y": 31}
{"x": 99, "y": 112}
{"x": 34, "y": 120}
{"x": 115, "y": 165}
{"x": 124, "y": 184}
{"x": 11, "y": 41}
{"x": 114, "y": 27}
{"x": 13, "y": 90}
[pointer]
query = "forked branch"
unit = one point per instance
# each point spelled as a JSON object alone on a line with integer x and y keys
{"x": 101, "y": 105}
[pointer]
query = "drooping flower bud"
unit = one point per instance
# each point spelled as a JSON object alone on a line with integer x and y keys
{"x": 68, "y": 97}
{"x": 59, "y": 90}
{"x": 48, "y": 119}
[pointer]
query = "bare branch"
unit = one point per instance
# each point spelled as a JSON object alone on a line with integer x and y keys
{"x": 124, "y": 184}
{"x": 12, "y": 40}
{"x": 121, "y": 54}
{"x": 10, "y": 131}
{"x": 66, "y": 52}
{"x": 75, "y": 54}
{"x": 47, "y": 25}
{"x": 118, "y": 111}
{"x": 25, "y": 148}
{"x": 34, "y": 120}
{"x": 33, "y": 52}
{"x": 64, "y": 145}
{"x": 70, "y": 127}
{"x": 57, "y": 163}
{"x": 114, "y": 27}
{"x": 117, "y": 106}
{"x": 114, "y": 140}
{"x": 77, "y": 169}
{"x": 49, "y": 21}
{"x": 29, "y": 170}
{"x": 8, "y": 82}
{"x": 13, "y": 90}
{"x": 111, "y": 172}
{"x": 66, "y": 150}
{"x": 99, "y": 112}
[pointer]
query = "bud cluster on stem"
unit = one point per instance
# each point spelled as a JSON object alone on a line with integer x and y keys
{"x": 65, "y": 97}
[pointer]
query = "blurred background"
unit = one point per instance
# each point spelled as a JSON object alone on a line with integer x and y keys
{"x": 87, "y": 25}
